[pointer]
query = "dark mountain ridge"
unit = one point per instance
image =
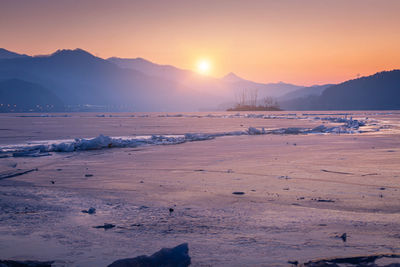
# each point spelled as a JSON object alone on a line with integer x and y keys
{"x": 21, "y": 96}
{"x": 377, "y": 91}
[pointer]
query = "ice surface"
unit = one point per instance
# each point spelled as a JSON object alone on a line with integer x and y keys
{"x": 304, "y": 183}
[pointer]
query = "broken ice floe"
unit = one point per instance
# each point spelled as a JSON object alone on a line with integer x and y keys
{"x": 43, "y": 148}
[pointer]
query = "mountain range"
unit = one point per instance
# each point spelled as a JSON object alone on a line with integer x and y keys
{"x": 77, "y": 80}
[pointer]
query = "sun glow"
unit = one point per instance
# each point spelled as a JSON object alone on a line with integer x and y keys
{"x": 203, "y": 67}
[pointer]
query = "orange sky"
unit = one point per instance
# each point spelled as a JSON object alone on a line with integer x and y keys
{"x": 303, "y": 42}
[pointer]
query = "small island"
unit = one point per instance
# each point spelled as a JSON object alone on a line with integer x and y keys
{"x": 247, "y": 101}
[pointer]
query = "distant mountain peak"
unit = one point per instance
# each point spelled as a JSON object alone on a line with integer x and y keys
{"x": 232, "y": 77}
{"x": 78, "y": 52}
{"x": 6, "y": 54}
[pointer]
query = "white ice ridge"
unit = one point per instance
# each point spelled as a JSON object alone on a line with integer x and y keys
{"x": 100, "y": 142}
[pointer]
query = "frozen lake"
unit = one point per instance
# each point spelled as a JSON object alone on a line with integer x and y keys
{"x": 307, "y": 178}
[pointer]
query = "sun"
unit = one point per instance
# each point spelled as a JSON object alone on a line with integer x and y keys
{"x": 203, "y": 67}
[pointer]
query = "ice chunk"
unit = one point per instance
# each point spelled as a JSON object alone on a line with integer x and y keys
{"x": 255, "y": 131}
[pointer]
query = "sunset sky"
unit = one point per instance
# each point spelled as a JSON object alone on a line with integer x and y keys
{"x": 302, "y": 42}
